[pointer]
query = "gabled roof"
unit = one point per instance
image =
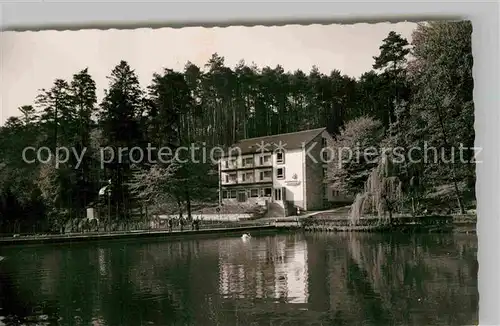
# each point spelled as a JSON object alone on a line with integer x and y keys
{"x": 288, "y": 141}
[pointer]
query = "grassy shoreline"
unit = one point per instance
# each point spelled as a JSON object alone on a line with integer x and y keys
{"x": 400, "y": 223}
{"x": 120, "y": 235}
{"x": 321, "y": 223}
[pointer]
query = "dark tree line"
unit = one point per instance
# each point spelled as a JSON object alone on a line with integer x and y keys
{"x": 218, "y": 105}
{"x": 431, "y": 121}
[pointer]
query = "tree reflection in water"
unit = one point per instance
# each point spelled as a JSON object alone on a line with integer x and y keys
{"x": 294, "y": 279}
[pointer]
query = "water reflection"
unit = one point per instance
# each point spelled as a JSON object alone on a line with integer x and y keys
{"x": 271, "y": 268}
{"x": 319, "y": 279}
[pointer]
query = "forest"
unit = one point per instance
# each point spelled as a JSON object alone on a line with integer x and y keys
{"x": 419, "y": 93}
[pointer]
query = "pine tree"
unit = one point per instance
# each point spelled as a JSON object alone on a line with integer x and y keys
{"x": 119, "y": 120}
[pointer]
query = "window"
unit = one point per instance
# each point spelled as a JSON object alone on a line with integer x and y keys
{"x": 335, "y": 193}
{"x": 227, "y": 164}
{"x": 232, "y": 194}
{"x": 280, "y": 158}
{"x": 232, "y": 177}
{"x": 225, "y": 194}
{"x": 280, "y": 173}
{"x": 254, "y": 193}
{"x": 323, "y": 142}
{"x": 264, "y": 159}
{"x": 246, "y": 177}
{"x": 227, "y": 178}
{"x": 277, "y": 194}
{"x": 326, "y": 155}
{"x": 265, "y": 175}
{"x": 266, "y": 192}
{"x": 248, "y": 161}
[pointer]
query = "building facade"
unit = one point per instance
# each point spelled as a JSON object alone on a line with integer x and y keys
{"x": 287, "y": 170}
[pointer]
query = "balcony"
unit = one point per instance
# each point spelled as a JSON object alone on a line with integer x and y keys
{"x": 265, "y": 161}
{"x": 265, "y": 176}
{"x": 235, "y": 165}
{"x": 247, "y": 180}
{"x": 247, "y": 164}
{"x": 229, "y": 166}
{"x": 246, "y": 177}
{"x": 230, "y": 179}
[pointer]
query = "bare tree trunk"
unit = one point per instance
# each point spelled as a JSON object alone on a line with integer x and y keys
{"x": 389, "y": 208}
{"x": 179, "y": 205}
{"x": 452, "y": 163}
{"x": 188, "y": 204}
{"x": 234, "y": 124}
{"x": 124, "y": 201}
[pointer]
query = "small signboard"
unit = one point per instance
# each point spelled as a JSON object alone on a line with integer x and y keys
{"x": 90, "y": 213}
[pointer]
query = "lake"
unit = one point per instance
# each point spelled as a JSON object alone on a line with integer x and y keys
{"x": 282, "y": 279}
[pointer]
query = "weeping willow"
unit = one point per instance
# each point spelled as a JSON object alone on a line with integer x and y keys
{"x": 382, "y": 190}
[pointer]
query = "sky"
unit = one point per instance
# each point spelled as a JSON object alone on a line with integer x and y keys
{"x": 30, "y": 61}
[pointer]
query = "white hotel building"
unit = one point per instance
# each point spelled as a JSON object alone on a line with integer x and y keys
{"x": 286, "y": 170}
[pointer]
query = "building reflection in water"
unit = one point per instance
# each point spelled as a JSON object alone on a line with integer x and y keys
{"x": 268, "y": 269}
{"x": 286, "y": 279}
{"x": 102, "y": 261}
{"x": 295, "y": 272}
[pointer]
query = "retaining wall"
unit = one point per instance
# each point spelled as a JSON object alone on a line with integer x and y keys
{"x": 213, "y": 217}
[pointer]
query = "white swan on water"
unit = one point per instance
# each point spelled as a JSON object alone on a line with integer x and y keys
{"x": 246, "y": 236}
